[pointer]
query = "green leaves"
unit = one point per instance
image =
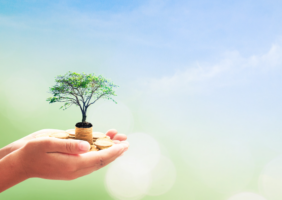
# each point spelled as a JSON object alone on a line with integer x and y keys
{"x": 82, "y": 90}
{"x": 65, "y": 106}
{"x": 52, "y": 99}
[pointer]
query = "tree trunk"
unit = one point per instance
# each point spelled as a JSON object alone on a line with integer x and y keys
{"x": 83, "y": 117}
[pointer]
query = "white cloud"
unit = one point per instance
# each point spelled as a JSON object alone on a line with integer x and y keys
{"x": 272, "y": 58}
{"x": 226, "y": 71}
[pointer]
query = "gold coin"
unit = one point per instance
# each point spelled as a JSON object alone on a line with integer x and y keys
{"x": 97, "y": 135}
{"x": 103, "y": 142}
{"x": 107, "y": 138}
{"x": 101, "y": 148}
{"x": 71, "y": 137}
{"x": 93, "y": 148}
{"x": 60, "y": 135}
{"x": 71, "y": 131}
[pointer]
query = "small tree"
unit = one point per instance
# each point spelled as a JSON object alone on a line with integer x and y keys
{"x": 82, "y": 90}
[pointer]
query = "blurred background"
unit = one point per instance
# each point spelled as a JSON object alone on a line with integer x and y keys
{"x": 199, "y": 96}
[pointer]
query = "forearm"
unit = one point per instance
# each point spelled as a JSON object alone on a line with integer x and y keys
{"x": 11, "y": 172}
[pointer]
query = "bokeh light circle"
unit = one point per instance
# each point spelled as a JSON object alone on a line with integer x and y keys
{"x": 133, "y": 168}
{"x": 163, "y": 177}
{"x": 270, "y": 181}
{"x": 141, "y": 171}
{"x": 247, "y": 196}
{"x": 144, "y": 148}
{"x": 126, "y": 184}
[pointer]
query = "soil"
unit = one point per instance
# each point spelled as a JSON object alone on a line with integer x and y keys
{"x": 83, "y": 125}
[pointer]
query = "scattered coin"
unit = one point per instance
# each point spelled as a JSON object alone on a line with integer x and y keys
{"x": 97, "y": 135}
{"x": 103, "y": 143}
{"x": 93, "y": 148}
{"x": 71, "y": 137}
{"x": 71, "y": 131}
{"x": 60, "y": 135}
{"x": 102, "y": 148}
{"x": 100, "y": 140}
{"x": 107, "y": 138}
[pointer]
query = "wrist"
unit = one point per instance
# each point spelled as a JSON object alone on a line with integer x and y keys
{"x": 5, "y": 151}
{"x": 10, "y": 148}
{"x": 15, "y": 163}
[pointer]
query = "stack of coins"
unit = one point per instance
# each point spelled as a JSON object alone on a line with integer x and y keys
{"x": 100, "y": 140}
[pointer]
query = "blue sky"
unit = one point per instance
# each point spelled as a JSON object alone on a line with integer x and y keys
{"x": 176, "y": 49}
{"x": 187, "y": 44}
{"x": 162, "y": 35}
{"x": 185, "y": 30}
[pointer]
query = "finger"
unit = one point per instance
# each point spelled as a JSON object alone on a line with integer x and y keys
{"x": 53, "y": 145}
{"x": 32, "y": 135}
{"x": 120, "y": 137}
{"x": 101, "y": 158}
{"x": 111, "y": 133}
{"x": 126, "y": 145}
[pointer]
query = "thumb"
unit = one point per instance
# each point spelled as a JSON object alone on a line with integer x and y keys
{"x": 66, "y": 146}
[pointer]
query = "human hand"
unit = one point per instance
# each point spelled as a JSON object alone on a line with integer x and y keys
{"x": 53, "y": 158}
{"x": 117, "y": 138}
{"x": 58, "y": 159}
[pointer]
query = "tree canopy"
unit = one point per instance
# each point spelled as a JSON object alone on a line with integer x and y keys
{"x": 81, "y": 90}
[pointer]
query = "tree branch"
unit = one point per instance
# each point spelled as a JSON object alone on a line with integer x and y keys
{"x": 77, "y": 100}
{"x": 90, "y": 96}
{"x": 96, "y": 99}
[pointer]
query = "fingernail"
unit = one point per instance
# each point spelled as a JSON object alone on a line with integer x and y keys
{"x": 84, "y": 146}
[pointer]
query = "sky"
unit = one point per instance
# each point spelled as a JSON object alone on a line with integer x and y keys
{"x": 146, "y": 39}
{"x": 209, "y": 72}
